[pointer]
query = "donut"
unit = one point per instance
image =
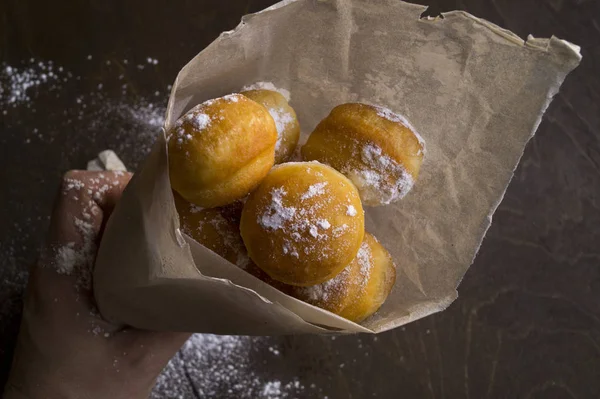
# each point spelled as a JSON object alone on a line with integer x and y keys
{"x": 288, "y": 128}
{"x": 215, "y": 228}
{"x": 303, "y": 224}
{"x": 378, "y": 275}
{"x": 378, "y": 150}
{"x": 332, "y": 295}
{"x": 220, "y": 150}
{"x": 355, "y": 293}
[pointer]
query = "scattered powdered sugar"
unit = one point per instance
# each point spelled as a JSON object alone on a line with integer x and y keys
{"x": 314, "y": 190}
{"x": 392, "y": 116}
{"x": 16, "y": 82}
{"x": 364, "y": 258}
{"x": 324, "y": 224}
{"x": 66, "y": 259}
{"x": 234, "y": 97}
{"x": 282, "y": 120}
{"x": 268, "y": 86}
{"x": 381, "y": 180}
{"x": 294, "y": 222}
{"x": 320, "y": 293}
{"x": 198, "y": 118}
{"x": 351, "y": 211}
{"x": 277, "y": 214}
{"x": 201, "y": 121}
{"x": 211, "y": 366}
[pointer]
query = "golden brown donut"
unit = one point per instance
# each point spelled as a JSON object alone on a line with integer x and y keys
{"x": 220, "y": 150}
{"x": 355, "y": 293}
{"x": 303, "y": 224}
{"x": 378, "y": 150}
{"x": 335, "y": 294}
{"x": 215, "y": 228}
{"x": 332, "y": 295}
{"x": 288, "y": 128}
{"x": 378, "y": 275}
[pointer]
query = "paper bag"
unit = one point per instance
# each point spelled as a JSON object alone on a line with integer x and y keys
{"x": 474, "y": 91}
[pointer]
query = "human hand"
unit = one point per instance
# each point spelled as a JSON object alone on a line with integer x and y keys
{"x": 65, "y": 349}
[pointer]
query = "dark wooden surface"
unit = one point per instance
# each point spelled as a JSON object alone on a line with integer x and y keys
{"x": 527, "y": 323}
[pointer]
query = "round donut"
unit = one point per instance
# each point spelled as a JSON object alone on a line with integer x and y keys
{"x": 335, "y": 294}
{"x": 220, "y": 150}
{"x": 378, "y": 150}
{"x": 215, "y": 228}
{"x": 303, "y": 224}
{"x": 355, "y": 293}
{"x": 377, "y": 277}
{"x": 288, "y": 128}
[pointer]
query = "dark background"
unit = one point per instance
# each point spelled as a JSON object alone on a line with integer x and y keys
{"x": 526, "y": 324}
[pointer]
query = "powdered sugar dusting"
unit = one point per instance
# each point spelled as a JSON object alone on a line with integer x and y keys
{"x": 314, "y": 190}
{"x": 381, "y": 180}
{"x": 197, "y": 118}
{"x": 364, "y": 258}
{"x": 297, "y": 223}
{"x": 351, "y": 211}
{"x": 15, "y": 88}
{"x": 391, "y": 116}
{"x": 268, "y": 86}
{"x": 277, "y": 214}
{"x": 319, "y": 294}
{"x": 66, "y": 258}
{"x": 212, "y": 366}
{"x": 282, "y": 120}
{"x": 201, "y": 121}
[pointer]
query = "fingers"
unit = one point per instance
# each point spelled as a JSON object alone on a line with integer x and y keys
{"x": 61, "y": 283}
{"x": 84, "y": 201}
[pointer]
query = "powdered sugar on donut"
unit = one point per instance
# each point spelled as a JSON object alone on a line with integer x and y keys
{"x": 314, "y": 190}
{"x": 364, "y": 260}
{"x": 321, "y": 293}
{"x": 268, "y": 86}
{"x": 277, "y": 214}
{"x": 351, "y": 211}
{"x": 198, "y": 119}
{"x": 380, "y": 179}
{"x": 301, "y": 226}
{"x": 282, "y": 120}
{"x": 391, "y": 116}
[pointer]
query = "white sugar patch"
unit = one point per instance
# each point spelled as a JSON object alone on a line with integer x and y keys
{"x": 282, "y": 120}
{"x": 314, "y": 190}
{"x": 234, "y": 97}
{"x": 365, "y": 261}
{"x": 324, "y": 224}
{"x": 200, "y": 121}
{"x": 66, "y": 259}
{"x": 268, "y": 86}
{"x": 319, "y": 294}
{"x": 351, "y": 211}
{"x": 301, "y": 225}
{"x": 276, "y": 213}
{"x": 381, "y": 180}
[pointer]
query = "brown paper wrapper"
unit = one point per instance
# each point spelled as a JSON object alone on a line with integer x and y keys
{"x": 474, "y": 91}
